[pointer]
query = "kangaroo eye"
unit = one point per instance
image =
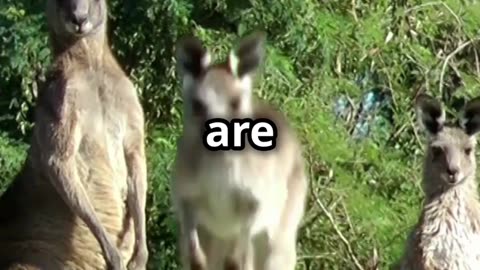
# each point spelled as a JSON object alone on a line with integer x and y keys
{"x": 468, "y": 151}
{"x": 198, "y": 107}
{"x": 235, "y": 104}
{"x": 436, "y": 151}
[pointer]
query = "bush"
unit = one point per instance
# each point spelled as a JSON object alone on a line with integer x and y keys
{"x": 12, "y": 155}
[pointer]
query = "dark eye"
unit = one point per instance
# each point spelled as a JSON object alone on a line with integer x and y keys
{"x": 235, "y": 104}
{"x": 198, "y": 108}
{"x": 436, "y": 151}
{"x": 468, "y": 151}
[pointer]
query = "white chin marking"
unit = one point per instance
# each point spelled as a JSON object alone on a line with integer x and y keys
{"x": 79, "y": 30}
{"x": 86, "y": 27}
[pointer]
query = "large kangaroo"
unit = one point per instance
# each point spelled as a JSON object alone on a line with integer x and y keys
{"x": 79, "y": 201}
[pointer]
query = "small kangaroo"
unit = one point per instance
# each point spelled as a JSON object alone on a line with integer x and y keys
{"x": 447, "y": 235}
{"x": 236, "y": 209}
{"x": 79, "y": 200}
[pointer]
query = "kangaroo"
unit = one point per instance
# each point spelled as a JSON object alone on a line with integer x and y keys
{"x": 447, "y": 235}
{"x": 236, "y": 209}
{"x": 79, "y": 200}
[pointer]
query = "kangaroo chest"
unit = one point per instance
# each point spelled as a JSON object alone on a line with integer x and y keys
{"x": 103, "y": 128}
{"x": 449, "y": 239}
{"x": 238, "y": 193}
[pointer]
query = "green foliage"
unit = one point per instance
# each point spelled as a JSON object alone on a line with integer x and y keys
{"x": 12, "y": 155}
{"x": 318, "y": 51}
{"x": 23, "y": 58}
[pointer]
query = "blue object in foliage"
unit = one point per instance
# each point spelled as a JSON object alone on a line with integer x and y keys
{"x": 373, "y": 112}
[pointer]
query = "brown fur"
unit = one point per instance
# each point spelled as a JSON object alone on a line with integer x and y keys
{"x": 86, "y": 163}
{"x": 242, "y": 209}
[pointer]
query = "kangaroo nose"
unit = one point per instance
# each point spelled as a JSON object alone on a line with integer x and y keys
{"x": 79, "y": 18}
{"x": 452, "y": 171}
{"x": 453, "y": 175}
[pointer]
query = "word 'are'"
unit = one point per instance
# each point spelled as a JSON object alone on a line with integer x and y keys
{"x": 223, "y": 135}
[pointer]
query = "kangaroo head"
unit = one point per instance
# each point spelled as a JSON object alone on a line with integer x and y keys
{"x": 222, "y": 90}
{"x": 450, "y": 157}
{"x": 77, "y": 18}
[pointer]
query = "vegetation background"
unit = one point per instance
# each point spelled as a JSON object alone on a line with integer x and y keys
{"x": 345, "y": 73}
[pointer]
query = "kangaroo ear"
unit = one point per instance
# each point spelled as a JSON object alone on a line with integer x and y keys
{"x": 248, "y": 55}
{"x": 470, "y": 120}
{"x": 192, "y": 57}
{"x": 430, "y": 114}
